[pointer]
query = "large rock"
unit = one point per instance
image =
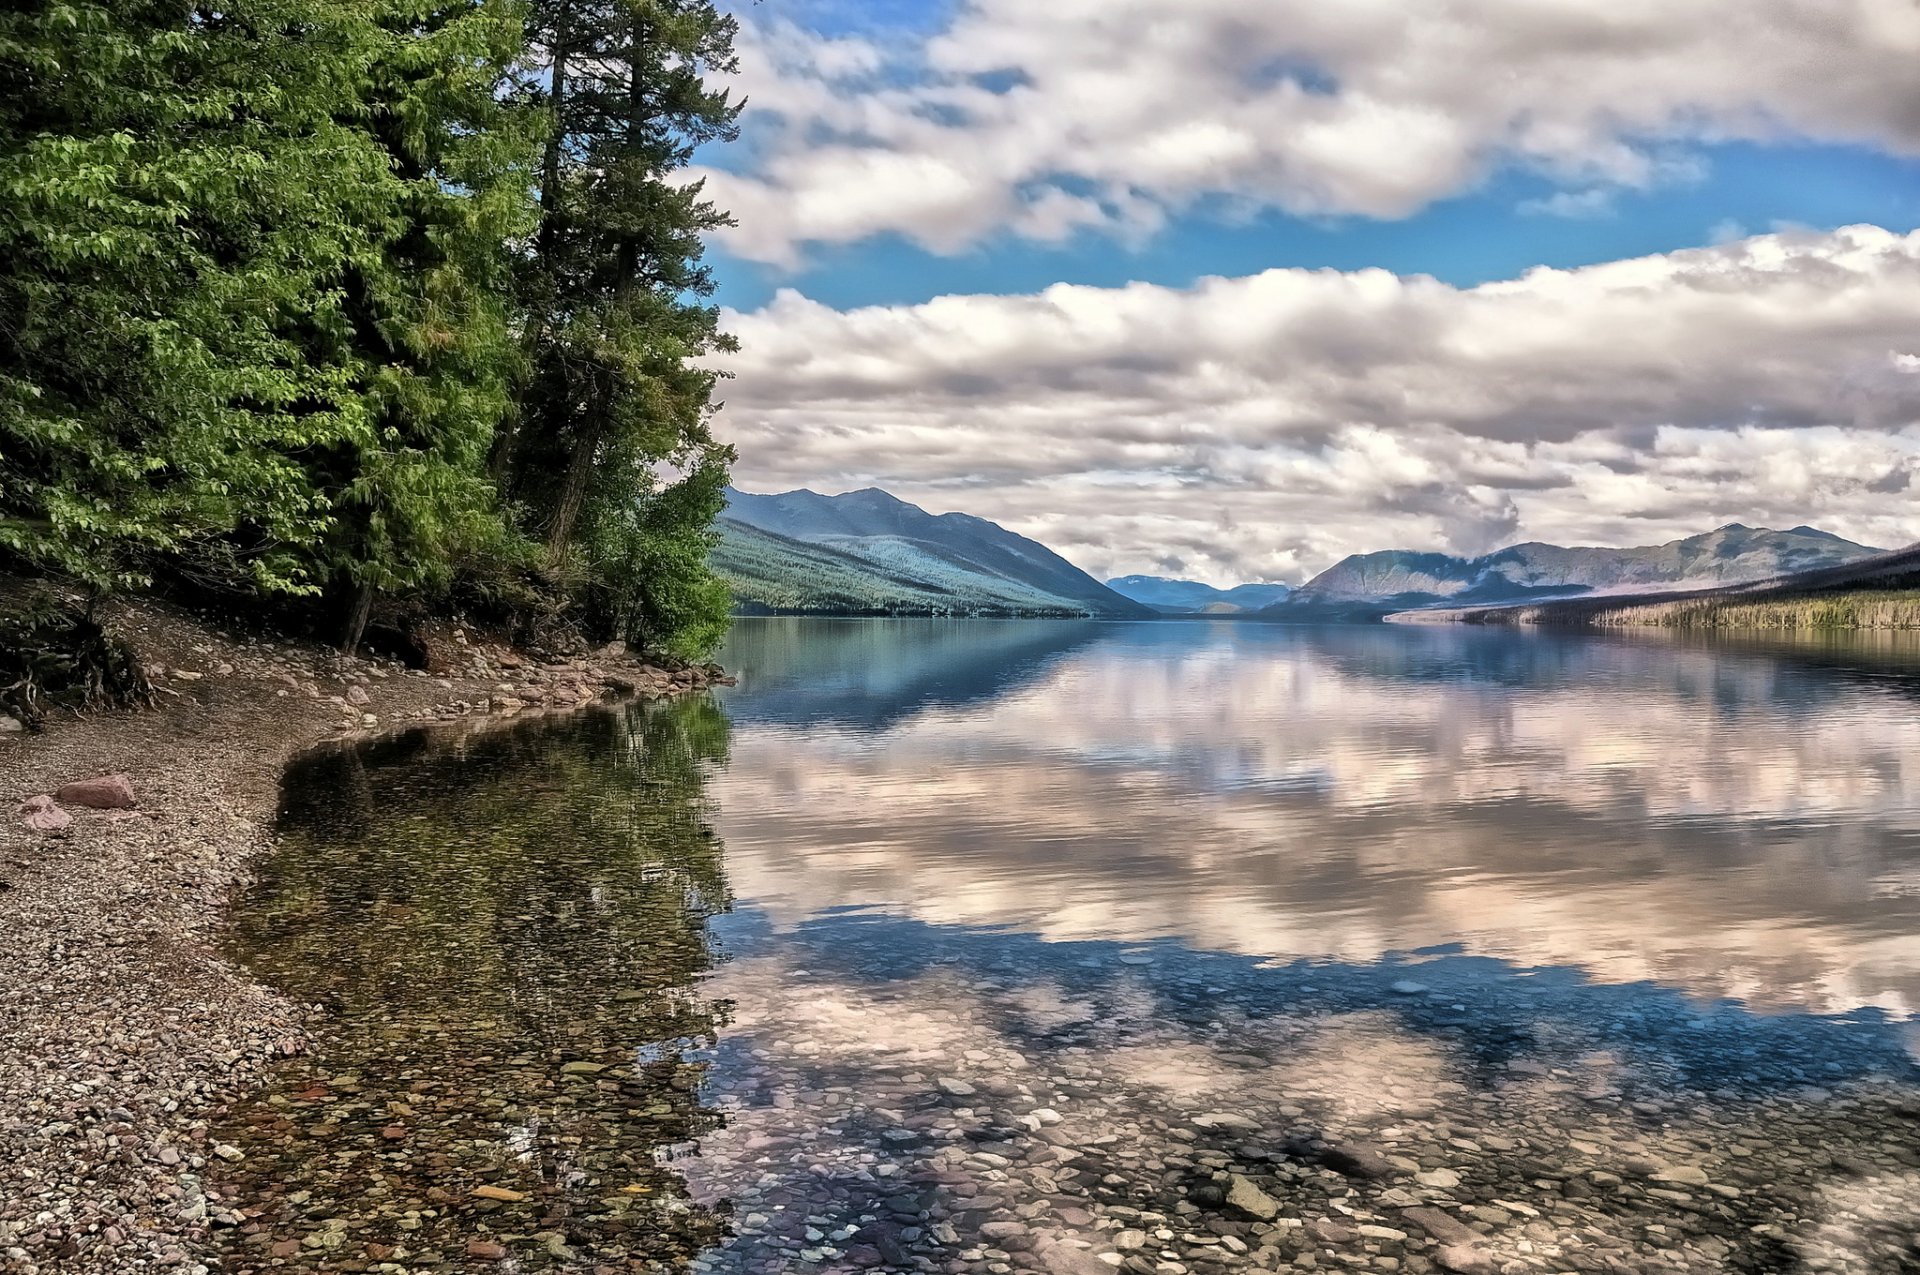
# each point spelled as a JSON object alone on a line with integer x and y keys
{"x": 1465, "y": 1259}
{"x": 42, "y": 815}
{"x": 1249, "y": 1199}
{"x": 1014, "y": 1237}
{"x": 1443, "y": 1226}
{"x": 1357, "y": 1160}
{"x": 106, "y": 792}
{"x": 1061, "y": 1258}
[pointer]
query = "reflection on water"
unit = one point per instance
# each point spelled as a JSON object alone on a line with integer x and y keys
{"x": 1075, "y": 948}
{"x": 1736, "y": 823}
{"x": 508, "y": 931}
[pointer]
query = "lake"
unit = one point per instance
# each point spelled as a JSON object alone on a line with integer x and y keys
{"x": 1081, "y": 947}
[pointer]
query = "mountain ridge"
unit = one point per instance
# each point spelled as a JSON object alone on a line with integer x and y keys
{"x": 1391, "y": 580}
{"x": 1171, "y": 596}
{"x": 869, "y": 552}
{"x": 1840, "y": 596}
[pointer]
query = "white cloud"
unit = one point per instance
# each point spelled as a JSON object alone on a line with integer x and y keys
{"x": 1261, "y": 427}
{"x": 1035, "y": 119}
{"x": 1727, "y": 230}
{"x": 1575, "y": 205}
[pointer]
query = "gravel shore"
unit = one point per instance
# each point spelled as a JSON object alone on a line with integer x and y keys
{"x": 122, "y": 1029}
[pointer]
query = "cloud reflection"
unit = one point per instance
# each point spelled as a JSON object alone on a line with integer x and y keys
{"x": 1732, "y": 822}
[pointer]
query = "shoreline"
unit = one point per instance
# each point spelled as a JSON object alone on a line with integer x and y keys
{"x": 123, "y": 1027}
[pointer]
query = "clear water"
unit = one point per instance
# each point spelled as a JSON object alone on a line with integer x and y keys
{"x": 1184, "y": 947}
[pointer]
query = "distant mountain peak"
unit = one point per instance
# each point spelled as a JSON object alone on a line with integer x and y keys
{"x": 1398, "y": 580}
{"x": 1190, "y": 597}
{"x": 894, "y": 557}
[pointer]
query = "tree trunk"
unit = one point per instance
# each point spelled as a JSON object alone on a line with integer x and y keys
{"x": 356, "y": 626}
{"x": 500, "y": 464}
{"x": 573, "y": 495}
{"x": 506, "y": 442}
{"x": 629, "y": 258}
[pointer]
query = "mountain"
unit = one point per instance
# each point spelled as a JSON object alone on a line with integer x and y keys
{"x": 1877, "y": 592}
{"x": 1370, "y": 585}
{"x": 1190, "y": 597}
{"x": 867, "y": 552}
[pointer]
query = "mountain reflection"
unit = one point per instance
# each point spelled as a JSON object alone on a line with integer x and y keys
{"x": 1735, "y": 821}
{"x": 873, "y": 674}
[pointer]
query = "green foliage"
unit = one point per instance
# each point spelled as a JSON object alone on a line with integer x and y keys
{"x": 652, "y": 582}
{"x": 273, "y": 283}
{"x": 55, "y": 656}
{"x": 617, "y": 323}
{"x": 175, "y": 188}
{"x": 429, "y": 339}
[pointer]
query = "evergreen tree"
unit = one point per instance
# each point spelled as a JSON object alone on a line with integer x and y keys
{"x": 428, "y": 304}
{"x": 615, "y": 411}
{"x": 272, "y": 281}
{"x": 177, "y": 184}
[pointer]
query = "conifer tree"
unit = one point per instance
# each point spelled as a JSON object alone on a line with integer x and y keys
{"x": 177, "y": 183}
{"x": 614, "y": 413}
{"x": 429, "y": 305}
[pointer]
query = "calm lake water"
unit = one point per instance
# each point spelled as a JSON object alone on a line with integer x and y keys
{"x": 1075, "y": 947}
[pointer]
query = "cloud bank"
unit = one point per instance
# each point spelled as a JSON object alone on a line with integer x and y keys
{"x": 1045, "y": 120}
{"x": 1262, "y": 427}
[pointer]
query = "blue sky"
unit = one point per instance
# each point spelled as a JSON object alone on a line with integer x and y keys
{"x": 1224, "y": 290}
{"x": 1484, "y": 234}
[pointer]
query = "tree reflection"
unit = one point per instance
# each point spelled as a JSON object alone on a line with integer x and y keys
{"x": 507, "y": 931}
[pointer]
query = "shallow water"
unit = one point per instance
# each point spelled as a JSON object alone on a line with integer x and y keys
{"x": 1072, "y": 947}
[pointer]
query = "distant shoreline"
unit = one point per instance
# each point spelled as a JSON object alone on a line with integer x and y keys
{"x": 1839, "y": 611}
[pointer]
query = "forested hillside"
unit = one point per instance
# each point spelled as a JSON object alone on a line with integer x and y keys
{"x": 1190, "y": 597}
{"x": 870, "y": 553}
{"x": 1370, "y": 585}
{"x": 359, "y": 308}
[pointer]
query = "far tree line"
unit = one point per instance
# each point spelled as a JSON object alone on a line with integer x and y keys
{"x": 345, "y": 306}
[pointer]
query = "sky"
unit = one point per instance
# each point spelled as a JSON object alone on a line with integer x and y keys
{"x": 1229, "y": 290}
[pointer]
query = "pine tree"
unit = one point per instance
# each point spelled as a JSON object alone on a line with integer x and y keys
{"x": 615, "y": 411}
{"x": 177, "y": 184}
{"x": 429, "y": 306}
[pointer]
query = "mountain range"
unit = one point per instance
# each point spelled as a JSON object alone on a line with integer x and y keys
{"x": 1190, "y": 597}
{"x": 869, "y": 553}
{"x": 1370, "y": 585}
{"x": 1831, "y": 597}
